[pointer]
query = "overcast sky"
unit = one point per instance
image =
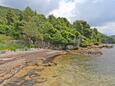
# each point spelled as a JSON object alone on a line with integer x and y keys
{"x": 98, "y": 13}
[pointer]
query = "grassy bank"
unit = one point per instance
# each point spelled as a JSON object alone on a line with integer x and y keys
{"x": 9, "y": 43}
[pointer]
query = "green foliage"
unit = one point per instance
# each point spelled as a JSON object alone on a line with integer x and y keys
{"x": 113, "y": 38}
{"x": 35, "y": 30}
{"x": 107, "y": 39}
{"x": 6, "y": 43}
{"x": 12, "y": 46}
{"x": 4, "y": 38}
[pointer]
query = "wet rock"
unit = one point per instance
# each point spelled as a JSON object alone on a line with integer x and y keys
{"x": 28, "y": 83}
{"x": 40, "y": 80}
{"x": 1, "y": 81}
{"x": 11, "y": 84}
{"x": 28, "y": 78}
{"x": 32, "y": 73}
{"x": 49, "y": 64}
{"x": 18, "y": 81}
{"x": 39, "y": 69}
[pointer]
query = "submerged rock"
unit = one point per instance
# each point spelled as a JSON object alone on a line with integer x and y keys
{"x": 1, "y": 81}
{"x": 28, "y": 83}
{"x": 11, "y": 84}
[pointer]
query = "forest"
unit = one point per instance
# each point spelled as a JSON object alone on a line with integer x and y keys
{"x": 30, "y": 29}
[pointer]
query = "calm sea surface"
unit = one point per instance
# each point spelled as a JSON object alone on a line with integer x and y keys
{"x": 87, "y": 71}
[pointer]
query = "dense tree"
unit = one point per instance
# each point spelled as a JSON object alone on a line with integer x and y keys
{"x": 35, "y": 29}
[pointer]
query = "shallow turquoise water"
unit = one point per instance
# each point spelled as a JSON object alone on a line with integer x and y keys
{"x": 87, "y": 71}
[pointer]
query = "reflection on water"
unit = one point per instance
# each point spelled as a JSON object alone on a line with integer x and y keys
{"x": 86, "y": 71}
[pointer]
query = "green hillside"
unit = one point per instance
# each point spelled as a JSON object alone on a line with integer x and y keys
{"x": 113, "y": 36}
{"x": 29, "y": 29}
{"x": 4, "y": 11}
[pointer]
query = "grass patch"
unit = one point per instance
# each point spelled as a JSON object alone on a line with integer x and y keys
{"x": 8, "y": 43}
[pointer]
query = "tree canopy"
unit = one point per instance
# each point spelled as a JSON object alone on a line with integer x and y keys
{"x": 34, "y": 28}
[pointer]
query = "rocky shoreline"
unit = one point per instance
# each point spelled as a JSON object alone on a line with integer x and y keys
{"x": 18, "y": 69}
{"x": 24, "y": 68}
{"x": 93, "y": 50}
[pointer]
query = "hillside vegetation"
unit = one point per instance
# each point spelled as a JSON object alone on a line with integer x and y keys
{"x": 27, "y": 28}
{"x": 113, "y": 36}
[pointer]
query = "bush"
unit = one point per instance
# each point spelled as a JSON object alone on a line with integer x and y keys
{"x": 4, "y": 38}
{"x": 7, "y": 43}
